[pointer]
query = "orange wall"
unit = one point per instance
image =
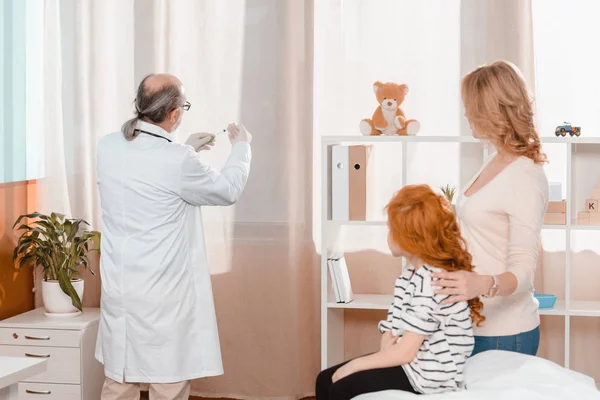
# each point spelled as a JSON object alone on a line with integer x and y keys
{"x": 15, "y": 288}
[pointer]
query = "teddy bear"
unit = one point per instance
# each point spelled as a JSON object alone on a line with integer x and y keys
{"x": 389, "y": 119}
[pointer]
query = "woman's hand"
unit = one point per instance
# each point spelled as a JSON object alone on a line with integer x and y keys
{"x": 387, "y": 340}
{"x": 461, "y": 285}
{"x": 346, "y": 370}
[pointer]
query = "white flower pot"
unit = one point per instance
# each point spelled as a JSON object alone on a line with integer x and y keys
{"x": 56, "y": 301}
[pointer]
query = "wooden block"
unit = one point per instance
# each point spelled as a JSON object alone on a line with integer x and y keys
{"x": 596, "y": 193}
{"x": 555, "y": 219}
{"x": 583, "y": 218}
{"x": 557, "y": 207}
{"x": 595, "y": 218}
{"x": 591, "y": 205}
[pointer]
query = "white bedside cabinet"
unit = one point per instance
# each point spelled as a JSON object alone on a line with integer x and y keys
{"x": 68, "y": 344}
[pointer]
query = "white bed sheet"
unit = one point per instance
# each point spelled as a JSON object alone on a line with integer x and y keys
{"x": 502, "y": 375}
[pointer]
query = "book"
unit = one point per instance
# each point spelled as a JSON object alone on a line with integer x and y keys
{"x": 340, "y": 279}
{"x": 346, "y": 285}
{"x": 334, "y": 281}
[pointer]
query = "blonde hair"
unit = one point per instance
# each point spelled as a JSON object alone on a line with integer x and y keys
{"x": 499, "y": 108}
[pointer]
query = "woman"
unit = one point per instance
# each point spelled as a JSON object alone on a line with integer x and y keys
{"x": 501, "y": 212}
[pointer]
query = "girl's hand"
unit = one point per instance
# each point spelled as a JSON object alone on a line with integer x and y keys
{"x": 387, "y": 340}
{"x": 345, "y": 370}
{"x": 461, "y": 285}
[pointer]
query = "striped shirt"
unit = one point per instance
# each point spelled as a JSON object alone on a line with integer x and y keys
{"x": 438, "y": 365}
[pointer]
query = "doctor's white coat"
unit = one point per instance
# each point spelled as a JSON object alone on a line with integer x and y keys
{"x": 158, "y": 323}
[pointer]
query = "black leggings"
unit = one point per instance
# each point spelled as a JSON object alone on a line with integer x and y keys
{"x": 373, "y": 380}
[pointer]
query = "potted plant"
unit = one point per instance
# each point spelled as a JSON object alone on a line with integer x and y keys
{"x": 449, "y": 192}
{"x": 60, "y": 246}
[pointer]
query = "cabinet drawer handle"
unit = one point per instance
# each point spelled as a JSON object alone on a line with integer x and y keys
{"x": 37, "y": 355}
{"x": 29, "y": 391}
{"x": 37, "y": 337}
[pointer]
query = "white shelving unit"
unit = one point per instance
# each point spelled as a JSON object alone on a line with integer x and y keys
{"x": 332, "y": 313}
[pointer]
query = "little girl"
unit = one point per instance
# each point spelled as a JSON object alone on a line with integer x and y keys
{"x": 425, "y": 343}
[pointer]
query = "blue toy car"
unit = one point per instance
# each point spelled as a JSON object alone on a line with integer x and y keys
{"x": 562, "y": 130}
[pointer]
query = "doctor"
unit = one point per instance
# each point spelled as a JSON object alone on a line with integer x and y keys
{"x": 158, "y": 323}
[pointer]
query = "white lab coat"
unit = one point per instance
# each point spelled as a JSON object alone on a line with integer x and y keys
{"x": 158, "y": 322}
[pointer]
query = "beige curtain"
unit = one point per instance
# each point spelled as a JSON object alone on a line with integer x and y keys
{"x": 494, "y": 30}
{"x": 497, "y": 30}
{"x": 267, "y": 304}
{"x": 247, "y": 61}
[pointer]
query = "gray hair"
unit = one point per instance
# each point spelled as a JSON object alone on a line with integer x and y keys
{"x": 154, "y": 105}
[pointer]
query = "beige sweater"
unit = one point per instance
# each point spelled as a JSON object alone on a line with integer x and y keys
{"x": 501, "y": 224}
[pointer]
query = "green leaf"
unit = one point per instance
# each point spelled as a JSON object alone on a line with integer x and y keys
{"x": 97, "y": 239}
{"x": 84, "y": 260}
{"x": 40, "y": 231}
{"x": 47, "y": 228}
{"x": 75, "y": 229}
{"x": 24, "y": 260}
{"x": 33, "y": 215}
{"x": 449, "y": 192}
{"x": 94, "y": 237}
{"x": 57, "y": 219}
{"x": 23, "y": 250}
{"x": 67, "y": 287}
{"x": 56, "y": 243}
{"x": 68, "y": 229}
{"x": 24, "y": 226}
{"x": 15, "y": 253}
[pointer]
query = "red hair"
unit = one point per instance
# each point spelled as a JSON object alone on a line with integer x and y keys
{"x": 422, "y": 223}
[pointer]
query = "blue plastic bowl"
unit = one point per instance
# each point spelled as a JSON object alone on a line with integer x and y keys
{"x": 546, "y": 300}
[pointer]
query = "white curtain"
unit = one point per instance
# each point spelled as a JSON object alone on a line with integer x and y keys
{"x": 248, "y": 61}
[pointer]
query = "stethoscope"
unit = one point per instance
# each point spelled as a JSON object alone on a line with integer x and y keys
{"x": 152, "y": 134}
